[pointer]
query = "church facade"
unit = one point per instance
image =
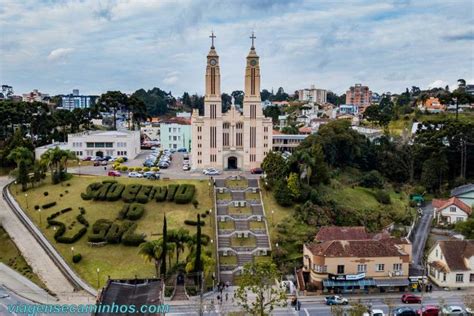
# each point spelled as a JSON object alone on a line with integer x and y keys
{"x": 235, "y": 140}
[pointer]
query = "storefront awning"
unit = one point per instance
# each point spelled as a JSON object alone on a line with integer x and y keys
{"x": 392, "y": 282}
{"x": 351, "y": 283}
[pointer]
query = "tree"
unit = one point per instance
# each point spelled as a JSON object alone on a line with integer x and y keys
{"x": 294, "y": 185}
{"x": 56, "y": 160}
{"x": 238, "y": 97}
{"x": 138, "y": 109}
{"x": 281, "y": 95}
{"x": 266, "y": 95}
{"x": 320, "y": 169}
{"x": 468, "y": 301}
{"x": 197, "y": 261}
{"x": 357, "y": 309}
{"x": 164, "y": 252}
{"x": 272, "y": 111}
{"x": 39, "y": 171}
{"x": 433, "y": 171}
{"x": 179, "y": 237}
{"x": 113, "y": 101}
{"x": 372, "y": 179}
{"x": 275, "y": 167}
{"x": 152, "y": 251}
{"x": 282, "y": 194}
{"x": 226, "y": 102}
{"x": 466, "y": 228}
{"x": 259, "y": 280}
{"x": 23, "y": 158}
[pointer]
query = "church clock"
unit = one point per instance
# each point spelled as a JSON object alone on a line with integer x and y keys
{"x": 213, "y": 62}
{"x": 253, "y": 62}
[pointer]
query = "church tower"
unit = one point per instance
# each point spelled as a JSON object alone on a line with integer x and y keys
{"x": 212, "y": 98}
{"x": 252, "y": 99}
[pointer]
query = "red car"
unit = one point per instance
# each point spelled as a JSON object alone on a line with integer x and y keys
{"x": 256, "y": 171}
{"x": 411, "y": 299}
{"x": 429, "y": 311}
{"x": 114, "y": 173}
{"x": 88, "y": 158}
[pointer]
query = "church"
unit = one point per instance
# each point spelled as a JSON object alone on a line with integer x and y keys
{"x": 237, "y": 139}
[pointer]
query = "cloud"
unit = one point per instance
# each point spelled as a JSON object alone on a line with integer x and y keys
{"x": 59, "y": 54}
{"x": 437, "y": 84}
{"x": 464, "y": 36}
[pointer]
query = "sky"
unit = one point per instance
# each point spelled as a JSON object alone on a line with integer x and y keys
{"x": 98, "y": 45}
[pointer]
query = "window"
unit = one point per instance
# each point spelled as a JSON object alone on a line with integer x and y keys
{"x": 379, "y": 267}
{"x": 169, "y": 129}
{"x": 444, "y": 277}
{"x": 174, "y": 129}
{"x": 175, "y": 146}
{"x": 90, "y": 145}
{"x": 397, "y": 267}
{"x": 459, "y": 278}
{"x": 170, "y": 137}
{"x": 471, "y": 277}
{"x": 452, "y": 209}
{"x": 361, "y": 268}
{"x": 459, "y": 219}
{"x": 175, "y": 138}
{"x": 340, "y": 269}
{"x": 436, "y": 253}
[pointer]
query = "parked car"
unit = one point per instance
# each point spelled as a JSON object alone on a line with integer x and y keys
{"x": 112, "y": 159}
{"x": 172, "y": 150}
{"x": 124, "y": 158}
{"x": 211, "y": 171}
{"x": 182, "y": 150}
{"x": 186, "y": 167}
{"x": 96, "y": 158}
{"x": 4, "y": 295}
{"x": 107, "y": 158}
{"x": 135, "y": 175}
{"x": 411, "y": 299}
{"x": 149, "y": 163}
{"x": 256, "y": 171}
{"x": 155, "y": 176}
{"x": 163, "y": 165}
{"x": 404, "y": 311}
{"x": 104, "y": 163}
{"x": 88, "y": 158}
{"x": 336, "y": 300}
{"x": 453, "y": 310}
{"x": 429, "y": 310}
{"x": 469, "y": 311}
{"x": 114, "y": 173}
{"x": 375, "y": 312}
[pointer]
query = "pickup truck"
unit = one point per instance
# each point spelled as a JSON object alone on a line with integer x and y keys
{"x": 336, "y": 300}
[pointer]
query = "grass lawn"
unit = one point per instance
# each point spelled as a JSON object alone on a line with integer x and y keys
{"x": 243, "y": 242}
{"x": 239, "y": 210}
{"x": 228, "y": 260}
{"x": 256, "y": 225}
{"x": 226, "y": 225}
{"x": 243, "y": 183}
{"x": 110, "y": 258}
{"x": 252, "y": 196}
{"x": 11, "y": 256}
{"x": 280, "y": 214}
{"x": 262, "y": 259}
{"x": 224, "y": 196}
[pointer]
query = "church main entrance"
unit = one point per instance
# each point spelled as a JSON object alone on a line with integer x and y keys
{"x": 232, "y": 163}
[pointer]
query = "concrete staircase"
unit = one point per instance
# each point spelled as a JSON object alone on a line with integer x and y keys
{"x": 224, "y": 242}
{"x": 243, "y": 259}
{"x": 241, "y": 225}
{"x": 180, "y": 294}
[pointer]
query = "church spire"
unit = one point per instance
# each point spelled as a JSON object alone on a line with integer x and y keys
{"x": 253, "y": 37}
{"x": 212, "y": 37}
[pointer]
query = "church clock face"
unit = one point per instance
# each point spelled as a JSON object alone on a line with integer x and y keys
{"x": 213, "y": 62}
{"x": 253, "y": 62}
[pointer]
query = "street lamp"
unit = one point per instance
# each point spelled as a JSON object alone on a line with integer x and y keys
{"x": 210, "y": 217}
{"x": 273, "y": 223}
{"x": 39, "y": 213}
{"x": 16, "y": 187}
{"x": 98, "y": 280}
{"x": 276, "y": 245}
{"x": 72, "y": 250}
{"x": 79, "y": 168}
{"x": 26, "y": 200}
{"x": 209, "y": 183}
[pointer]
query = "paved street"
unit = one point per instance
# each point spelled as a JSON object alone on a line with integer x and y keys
{"x": 420, "y": 235}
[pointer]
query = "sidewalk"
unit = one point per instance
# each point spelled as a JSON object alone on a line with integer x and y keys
{"x": 23, "y": 287}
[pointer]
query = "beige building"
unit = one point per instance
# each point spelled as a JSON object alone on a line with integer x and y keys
{"x": 312, "y": 94}
{"x": 349, "y": 258}
{"x": 235, "y": 139}
{"x": 359, "y": 95}
{"x": 451, "y": 263}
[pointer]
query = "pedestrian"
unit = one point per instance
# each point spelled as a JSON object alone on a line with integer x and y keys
{"x": 218, "y": 297}
{"x": 105, "y": 168}
{"x": 298, "y": 304}
{"x": 226, "y": 296}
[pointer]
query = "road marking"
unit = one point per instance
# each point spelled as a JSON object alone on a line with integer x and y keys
{"x": 306, "y": 311}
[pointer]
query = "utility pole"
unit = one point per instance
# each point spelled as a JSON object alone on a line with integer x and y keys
{"x": 201, "y": 295}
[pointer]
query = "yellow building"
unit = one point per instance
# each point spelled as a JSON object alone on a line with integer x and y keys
{"x": 349, "y": 259}
{"x": 235, "y": 139}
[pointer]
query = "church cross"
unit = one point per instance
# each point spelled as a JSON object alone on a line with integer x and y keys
{"x": 212, "y": 39}
{"x": 253, "y": 37}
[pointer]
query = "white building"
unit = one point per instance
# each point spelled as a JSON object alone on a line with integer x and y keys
{"x": 312, "y": 94}
{"x": 99, "y": 143}
{"x": 450, "y": 211}
{"x": 451, "y": 263}
{"x": 35, "y": 96}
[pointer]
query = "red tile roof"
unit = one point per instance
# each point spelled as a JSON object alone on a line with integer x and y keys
{"x": 457, "y": 253}
{"x": 342, "y": 233}
{"x": 354, "y": 248}
{"x": 442, "y": 204}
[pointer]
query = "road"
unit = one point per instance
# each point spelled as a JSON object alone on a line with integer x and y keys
{"x": 315, "y": 305}
{"x": 420, "y": 235}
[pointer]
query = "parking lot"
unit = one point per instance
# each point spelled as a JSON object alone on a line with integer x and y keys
{"x": 175, "y": 170}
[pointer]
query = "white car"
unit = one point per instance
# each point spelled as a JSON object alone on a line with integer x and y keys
{"x": 453, "y": 310}
{"x": 375, "y": 312}
{"x": 210, "y": 172}
{"x": 186, "y": 167}
{"x": 135, "y": 175}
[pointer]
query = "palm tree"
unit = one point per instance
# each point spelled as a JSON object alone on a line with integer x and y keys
{"x": 23, "y": 158}
{"x": 170, "y": 252}
{"x": 56, "y": 160}
{"x": 180, "y": 238}
{"x": 305, "y": 163}
{"x": 152, "y": 251}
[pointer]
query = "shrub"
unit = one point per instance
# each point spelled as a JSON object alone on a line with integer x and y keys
{"x": 191, "y": 290}
{"x": 282, "y": 194}
{"x": 372, "y": 179}
{"x": 113, "y": 234}
{"x": 37, "y": 207}
{"x": 155, "y": 169}
{"x": 124, "y": 168}
{"x": 45, "y": 193}
{"x": 195, "y": 203}
{"x": 160, "y": 194}
{"x": 65, "y": 210}
{"x": 60, "y": 195}
{"x": 81, "y": 219}
{"x": 68, "y": 184}
{"x": 203, "y": 215}
{"x": 382, "y": 197}
{"x": 76, "y": 258}
{"x": 172, "y": 188}
{"x": 99, "y": 230}
{"x": 193, "y": 223}
{"x": 138, "y": 169}
{"x": 132, "y": 211}
{"x": 48, "y": 205}
{"x": 66, "y": 191}
{"x": 146, "y": 169}
{"x": 144, "y": 194}
{"x": 101, "y": 194}
{"x": 130, "y": 192}
{"x": 115, "y": 192}
{"x": 184, "y": 193}
{"x": 109, "y": 181}
{"x": 72, "y": 239}
{"x": 91, "y": 191}
{"x": 82, "y": 210}
{"x": 129, "y": 238}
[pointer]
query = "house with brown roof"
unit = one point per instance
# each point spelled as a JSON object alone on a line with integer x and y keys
{"x": 451, "y": 211}
{"x": 432, "y": 105}
{"x": 450, "y": 263}
{"x": 351, "y": 259}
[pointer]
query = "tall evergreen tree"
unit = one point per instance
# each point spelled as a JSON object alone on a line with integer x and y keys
{"x": 165, "y": 250}
{"x": 197, "y": 262}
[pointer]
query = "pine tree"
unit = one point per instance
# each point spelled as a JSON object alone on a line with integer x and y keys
{"x": 197, "y": 262}
{"x": 163, "y": 254}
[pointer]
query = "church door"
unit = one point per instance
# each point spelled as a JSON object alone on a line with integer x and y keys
{"x": 232, "y": 163}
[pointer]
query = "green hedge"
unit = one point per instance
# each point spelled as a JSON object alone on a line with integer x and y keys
{"x": 99, "y": 230}
{"x": 77, "y": 258}
{"x": 70, "y": 240}
{"x": 132, "y": 211}
{"x": 185, "y": 193}
{"x": 101, "y": 193}
{"x": 129, "y": 238}
{"x": 160, "y": 194}
{"x": 48, "y": 205}
{"x": 115, "y": 192}
{"x": 81, "y": 219}
{"x": 109, "y": 181}
{"x": 144, "y": 194}
{"x": 193, "y": 223}
{"x": 91, "y": 191}
{"x": 172, "y": 188}
{"x": 113, "y": 234}
{"x": 130, "y": 192}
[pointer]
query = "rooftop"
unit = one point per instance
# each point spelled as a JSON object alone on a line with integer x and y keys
{"x": 442, "y": 204}
{"x": 462, "y": 189}
{"x": 328, "y": 233}
{"x": 355, "y": 248}
{"x": 457, "y": 253}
